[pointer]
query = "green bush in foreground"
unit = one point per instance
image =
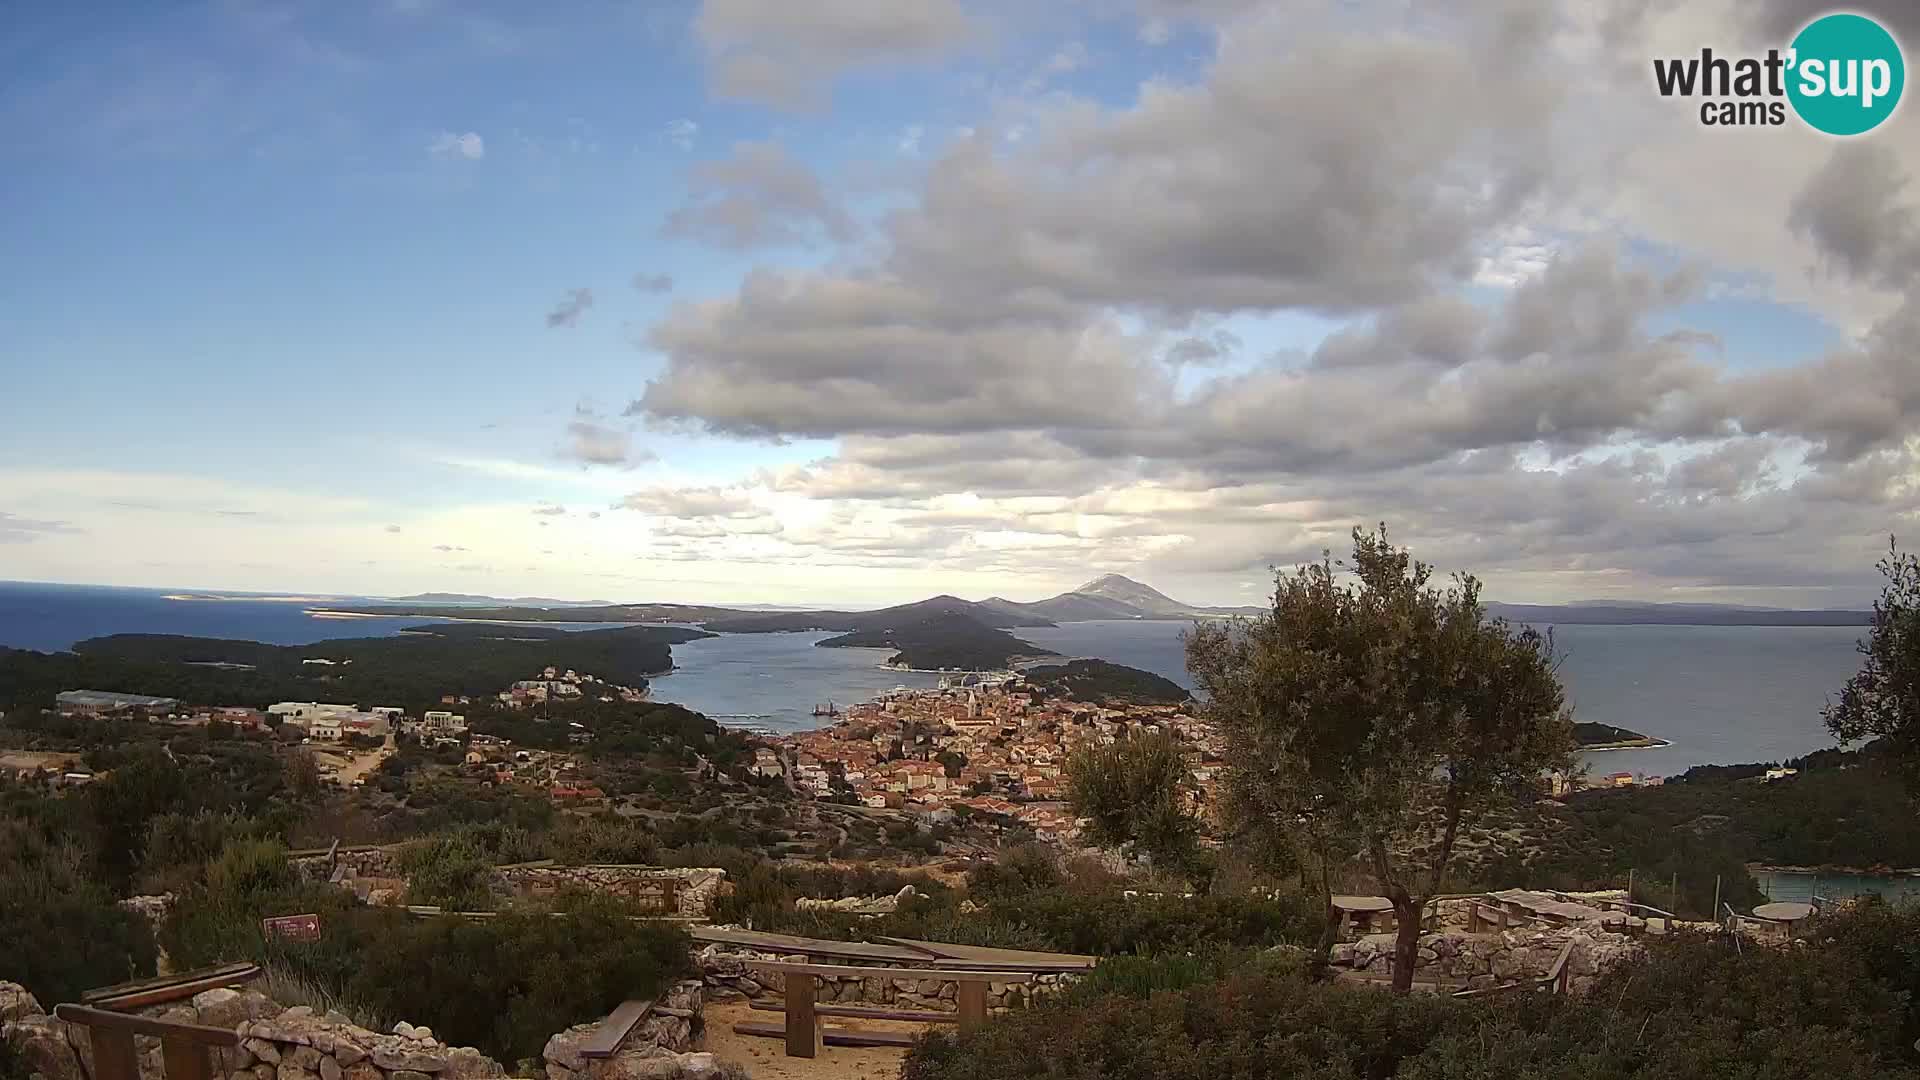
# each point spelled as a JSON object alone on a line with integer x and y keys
{"x": 506, "y": 984}
{"x": 60, "y": 930}
{"x": 1839, "y": 1008}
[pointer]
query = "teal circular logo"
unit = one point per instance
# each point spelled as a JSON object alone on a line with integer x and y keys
{"x": 1846, "y": 74}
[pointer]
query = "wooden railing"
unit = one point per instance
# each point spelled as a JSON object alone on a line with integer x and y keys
{"x": 183, "y": 1047}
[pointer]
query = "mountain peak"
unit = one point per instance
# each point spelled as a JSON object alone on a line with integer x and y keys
{"x": 1128, "y": 591}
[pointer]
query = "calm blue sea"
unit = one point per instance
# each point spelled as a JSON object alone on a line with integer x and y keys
{"x": 1720, "y": 694}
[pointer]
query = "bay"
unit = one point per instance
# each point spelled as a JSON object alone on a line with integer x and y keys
{"x": 1719, "y": 694}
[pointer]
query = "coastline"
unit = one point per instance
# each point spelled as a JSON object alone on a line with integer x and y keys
{"x": 1630, "y": 744}
{"x": 1899, "y": 872}
{"x": 327, "y": 613}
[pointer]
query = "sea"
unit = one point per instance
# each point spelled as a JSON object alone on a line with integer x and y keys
{"x": 1717, "y": 694}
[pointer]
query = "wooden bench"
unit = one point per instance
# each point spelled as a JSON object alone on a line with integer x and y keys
{"x": 801, "y": 982}
{"x": 829, "y": 1036}
{"x": 140, "y": 993}
{"x": 869, "y": 1012}
{"x": 183, "y": 1047}
{"x": 605, "y": 1040}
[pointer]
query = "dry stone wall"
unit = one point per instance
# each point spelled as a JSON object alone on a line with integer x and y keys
{"x": 660, "y": 1047}
{"x": 276, "y": 1043}
{"x": 1492, "y": 959}
{"x": 694, "y": 888}
{"x": 375, "y": 876}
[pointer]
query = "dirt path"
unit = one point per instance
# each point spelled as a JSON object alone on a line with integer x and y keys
{"x": 362, "y": 763}
{"x": 767, "y": 1059}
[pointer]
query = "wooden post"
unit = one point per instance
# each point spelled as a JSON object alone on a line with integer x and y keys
{"x": 1716, "y": 899}
{"x": 1673, "y": 892}
{"x": 971, "y": 996}
{"x": 185, "y": 1059}
{"x": 113, "y": 1054}
{"x": 1629, "y": 883}
{"x": 802, "y": 1039}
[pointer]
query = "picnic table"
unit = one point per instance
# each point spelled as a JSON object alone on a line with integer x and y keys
{"x": 804, "y": 1036}
{"x": 1784, "y": 914}
{"x": 1359, "y": 912}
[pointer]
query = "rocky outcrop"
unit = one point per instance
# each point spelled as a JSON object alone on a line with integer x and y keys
{"x": 658, "y": 1049}
{"x": 725, "y": 970}
{"x": 1492, "y": 959}
{"x": 37, "y": 1041}
{"x": 859, "y": 905}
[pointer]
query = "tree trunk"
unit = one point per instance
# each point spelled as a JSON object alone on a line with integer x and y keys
{"x": 1406, "y": 942}
{"x": 1330, "y": 925}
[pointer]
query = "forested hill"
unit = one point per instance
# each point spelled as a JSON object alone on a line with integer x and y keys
{"x": 1099, "y": 681}
{"x": 411, "y": 670}
{"x": 946, "y": 640}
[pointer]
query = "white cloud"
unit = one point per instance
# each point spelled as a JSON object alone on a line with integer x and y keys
{"x": 469, "y": 146}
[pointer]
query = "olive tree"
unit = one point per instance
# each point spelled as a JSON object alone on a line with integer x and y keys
{"x": 1882, "y": 700}
{"x": 1137, "y": 791}
{"x": 1371, "y": 713}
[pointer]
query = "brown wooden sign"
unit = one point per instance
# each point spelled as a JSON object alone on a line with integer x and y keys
{"x": 291, "y": 927}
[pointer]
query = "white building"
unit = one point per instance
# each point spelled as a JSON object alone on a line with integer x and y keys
{"x": 308, "y": 710}
{"x": 441, "y": 722}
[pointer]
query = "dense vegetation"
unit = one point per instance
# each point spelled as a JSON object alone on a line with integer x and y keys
{"x": 412, "y": 670}
{"x": 1841, "y": 1009}
{"x": 1882, "y": 700}
{"x": 1843, "y": 810}
{"x": 1099, "y": 681}
{"x": 502, "y": 984}
{"x": 1026, "y": 899}
{"x": 943, "y": 640}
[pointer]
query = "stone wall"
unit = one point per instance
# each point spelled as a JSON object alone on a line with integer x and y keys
{"x": 694, "y": 887}
{"x": 1493, "y": 959}
{"x": 374, "y": 875}
{"x": 371, "y": 862}
{"x": 276, "y": 1043}
{"x": 660, "y": 1047}
{"x": 724, "y": 968}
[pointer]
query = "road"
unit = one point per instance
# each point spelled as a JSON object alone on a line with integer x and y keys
{"x": 361, "y": 764}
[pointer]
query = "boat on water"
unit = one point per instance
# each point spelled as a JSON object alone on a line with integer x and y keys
{"x": 829, "y": 709}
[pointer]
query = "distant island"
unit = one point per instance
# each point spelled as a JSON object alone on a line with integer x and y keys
{"x": 415, "y": 668}
{"x": 1101, "y": 682}
{"x": 942, "y": 641}
{"x": 1591, "y": 736}
{"x": 1109, "y": 597}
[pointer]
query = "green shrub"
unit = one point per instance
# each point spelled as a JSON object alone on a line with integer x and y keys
{"x": 506, "y": 984}
{"x": 61, "y": 931}
{"x": 1840, "y": 1007}
{"x": 449, "y": 871}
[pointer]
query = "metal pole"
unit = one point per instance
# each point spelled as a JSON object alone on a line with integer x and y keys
{"x": 1716, "y": 896}
{"x": 1629, "y": 883}
{"x": 1673, "y": 892}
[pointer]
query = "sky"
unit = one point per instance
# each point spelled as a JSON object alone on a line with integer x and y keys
{"x": 858, "y": 301}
